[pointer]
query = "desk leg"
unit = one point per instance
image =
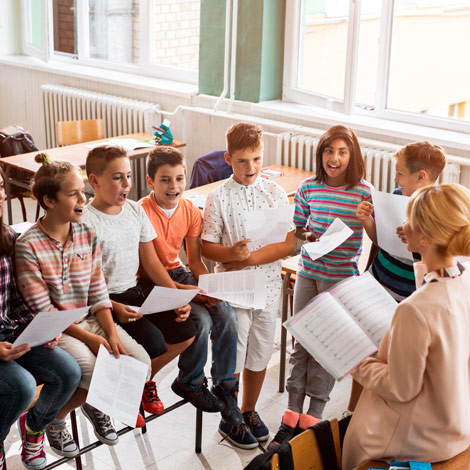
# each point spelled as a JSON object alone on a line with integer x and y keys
{"x": 8, "y": 194}
{"x": 285, "y": 302}
{"x": 198, "y": 431}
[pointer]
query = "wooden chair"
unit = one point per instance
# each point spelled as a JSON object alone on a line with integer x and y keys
{"x": 306, "y": 451}
{"x": 76, "y": 132}
{"x": 459, "y": 462}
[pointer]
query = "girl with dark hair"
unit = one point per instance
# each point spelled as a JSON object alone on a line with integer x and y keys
{"x": 21, "y": 366}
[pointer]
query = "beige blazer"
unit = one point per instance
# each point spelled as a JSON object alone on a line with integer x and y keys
{"x": 416, "y": 399}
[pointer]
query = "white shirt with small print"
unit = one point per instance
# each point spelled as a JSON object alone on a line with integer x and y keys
{"x": 119, "y": 237}
{"x": 224, "y": 221}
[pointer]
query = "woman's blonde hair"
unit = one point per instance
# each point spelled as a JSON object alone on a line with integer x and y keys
{"x": 442, "y": 214}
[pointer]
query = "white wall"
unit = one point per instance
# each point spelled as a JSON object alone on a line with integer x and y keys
{"x": 10, "y": 27}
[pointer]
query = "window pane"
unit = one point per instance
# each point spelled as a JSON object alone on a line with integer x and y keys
{"x": 114, "y": 30}
{"x": 322, "y": 46}
{"x": 65, "y": 26}
{"x": 429, "y": 70}
{"x": 36, "y": 22}
{"x": 175, "y": 35}
{"x": 368, "y": 52}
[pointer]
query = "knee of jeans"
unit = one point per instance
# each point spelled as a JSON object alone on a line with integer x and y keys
{"x": 201, "y": 319}
{"x": 24, "y": 391}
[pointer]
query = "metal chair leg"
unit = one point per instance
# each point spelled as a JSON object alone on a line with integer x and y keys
{"x": 198, "y": 431}
{"x": 73, "y": 419}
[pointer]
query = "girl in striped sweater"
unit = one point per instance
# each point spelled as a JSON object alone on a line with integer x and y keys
{"x": 58, "y": 263}
{"x": 335, "y": 191}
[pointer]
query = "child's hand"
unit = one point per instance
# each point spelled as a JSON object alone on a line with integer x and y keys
{"x": 182, "y": 313}
{"x": 208, "y": 302}
{"x": 116, "y": 346}
{"x": 401, "y": 234}
{"x": 235, "y": 265}
{"x": 310, "y": 237}
{"x": 95, "y": 341}
{"x": 240, "y": 251}
{"x": 8, "y": 352}
{"x": 124, "y": 313}
{"x": 364, "y": 210}
{"x": 53, "y": 343}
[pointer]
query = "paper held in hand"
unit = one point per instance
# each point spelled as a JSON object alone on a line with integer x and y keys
{"x": 162, "y": 299}
{"x": 268, "y": 226}
{"x": 343, "y": 326}
{"x": 390, "y": 213}
{"x": 46, "y": 326}
{"x": 116, "y": 386}
{"x": 246, "y": 288}
{"x": 336, "y": 234}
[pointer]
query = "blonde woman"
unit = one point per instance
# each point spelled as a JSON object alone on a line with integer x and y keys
{"x": 416, "y": 399}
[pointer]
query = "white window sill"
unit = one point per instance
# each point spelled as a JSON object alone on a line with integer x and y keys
{"x": 380, "y": 127}
{"x": 124, "y": 79}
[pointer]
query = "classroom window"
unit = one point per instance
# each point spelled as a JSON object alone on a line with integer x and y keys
{"x": 149, "y": 37}
{"x": 396, "y": 59}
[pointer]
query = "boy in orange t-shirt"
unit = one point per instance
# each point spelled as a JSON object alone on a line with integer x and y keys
{"x": 176, "y": 219}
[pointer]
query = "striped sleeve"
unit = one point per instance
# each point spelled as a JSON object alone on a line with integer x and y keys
{"x": 30, "y": 280}
{"x": 302, "y": 208}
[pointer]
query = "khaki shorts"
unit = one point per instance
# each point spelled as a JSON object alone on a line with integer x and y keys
{"x": 85, "y": 357}
{"x": 256, "y": 330}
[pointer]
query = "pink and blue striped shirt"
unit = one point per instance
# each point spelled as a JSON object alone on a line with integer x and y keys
{"x": 316, "y": 207}
{"x": 52, "y": 276}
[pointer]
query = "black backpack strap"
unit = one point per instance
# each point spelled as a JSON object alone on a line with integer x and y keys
{"x": 263, "y": 461}
{"x": 343, "y": 426}
{"x": 286, "y": 461}
{"x": 326, "y": 444}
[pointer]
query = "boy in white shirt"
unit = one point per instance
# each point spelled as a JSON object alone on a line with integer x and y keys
{"x": 224, "y": 241}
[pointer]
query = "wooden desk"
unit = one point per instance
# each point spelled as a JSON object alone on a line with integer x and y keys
{"x": 290, "y": 181}
{"x": 75, "y": 154}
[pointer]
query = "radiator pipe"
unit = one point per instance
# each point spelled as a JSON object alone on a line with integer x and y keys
{"x": 233, "y": 55}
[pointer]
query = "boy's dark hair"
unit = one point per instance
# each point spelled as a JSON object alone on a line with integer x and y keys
{"x": 423, "y": 156}
{"x": 99, "y": 158}
{"x": 242, "y": 136}
{"x": 356, "y": 169}
{"x": 48, "y": 179}
{"x": 164, "y": 156}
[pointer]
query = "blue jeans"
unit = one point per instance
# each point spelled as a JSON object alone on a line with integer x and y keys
{"x": 56, "y": 369}
{"x": 220, "y": 322}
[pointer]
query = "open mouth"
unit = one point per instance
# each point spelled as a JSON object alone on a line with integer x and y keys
{"x": 123, "y": 196}
{"x": 78, "y": 211}
{"x": 333, "y": 166}
{"x": 172, "y": 195}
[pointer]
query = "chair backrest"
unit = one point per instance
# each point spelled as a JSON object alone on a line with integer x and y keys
{"x": 76, "y": 132}
{"x": 210, "y": 168}
{"x": 306, "y": 452}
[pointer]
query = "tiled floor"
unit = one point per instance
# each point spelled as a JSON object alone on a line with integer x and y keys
{"x": 169, "y": 442}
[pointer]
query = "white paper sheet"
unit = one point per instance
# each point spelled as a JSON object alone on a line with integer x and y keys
{"x": 268, "y": 226}
{"x": 48, "y": 325}
{"x": 368, "y": 302}
{"x": 390, "y": 213}
{"x": 162, "y": 299}
{"x": 330, "y": 335}
{"x": 336, "y": 234}
{"x": 127, "y": 144}
{"x": 116, "y": 386}
{"x": 21, "y": 227}
{"x": 246, "y": 288}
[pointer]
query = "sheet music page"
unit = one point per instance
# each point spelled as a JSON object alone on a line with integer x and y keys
{"x": 390, "y": 213}
{"x": 246, "y": 288}
{"x": 336, "y": 234}
{"x": 330, "y": 335}
{"x": 46, "y": 326}
{"x": 162, "y": 299}
{"x": 368, "y": 302}
{"x": 268, "y": 226}
{"x": 116, "y": 386}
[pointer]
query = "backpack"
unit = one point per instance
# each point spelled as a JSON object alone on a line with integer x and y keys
{"x": 14, "y": 140}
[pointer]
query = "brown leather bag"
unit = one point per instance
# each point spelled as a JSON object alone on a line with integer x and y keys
{"x": 14, "y": 140}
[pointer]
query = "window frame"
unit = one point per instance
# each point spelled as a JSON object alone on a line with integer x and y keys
{"x": 348, "y": 105}
{"x": 144, "y": 67}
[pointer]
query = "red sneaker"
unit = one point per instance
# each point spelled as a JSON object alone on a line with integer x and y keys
{"x": 140, "y": 421}
{"x": 150, "y": 400}
{"x": 3, "y": 463}
{"x": 32, "y": 454}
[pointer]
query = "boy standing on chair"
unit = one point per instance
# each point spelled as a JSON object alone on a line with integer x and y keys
{"x": 177, "y": 220}
{"x": 224, "y": 241}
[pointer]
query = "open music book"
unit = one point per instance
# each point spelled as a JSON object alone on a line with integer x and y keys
{"x": 343, "y": 326}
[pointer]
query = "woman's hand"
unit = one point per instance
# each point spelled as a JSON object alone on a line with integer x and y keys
{"x": 53, "y": 343}
{"x": 124, "y": 313}
{"x": 8, "y": 352}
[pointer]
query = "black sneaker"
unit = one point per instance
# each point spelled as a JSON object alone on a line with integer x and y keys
{"x": 60, "y": 440}
{"x": 199, "y": 396}
{"x": 284, "y": 433}
{"x": 102, "y": 426}
{"x": 239, "y": 436}
{"x": 231, "y": 413}
{"x": 256, "y": 425}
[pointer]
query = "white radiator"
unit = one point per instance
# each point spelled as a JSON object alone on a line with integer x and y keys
{"x": 120, "y": 115}
{"x": 298, "y": 151}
